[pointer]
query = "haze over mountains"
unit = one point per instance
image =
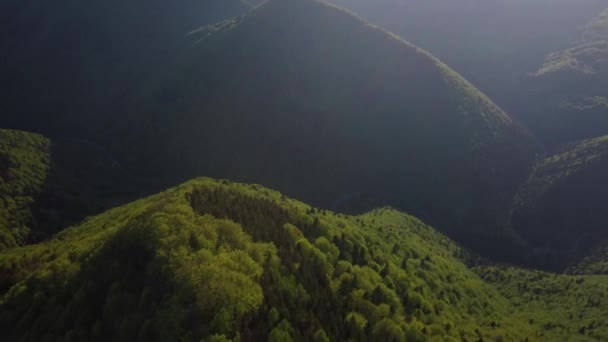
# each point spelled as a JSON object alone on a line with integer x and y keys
{"x": 378, "y": 130}
{"x": 577, "y": 75}
{"x": 302, "y": 96}
{"x": 502, "y": 47}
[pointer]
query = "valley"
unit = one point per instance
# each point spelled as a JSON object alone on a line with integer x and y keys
{"x": 438, "y": 170}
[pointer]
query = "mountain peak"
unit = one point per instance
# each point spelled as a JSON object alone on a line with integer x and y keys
{"x": 365, "y": 116}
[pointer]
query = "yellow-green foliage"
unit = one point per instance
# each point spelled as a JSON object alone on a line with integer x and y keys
{"x": 560, "y": 307}
{"x": 215, "y": 261}
{"x": 24, "y": 164}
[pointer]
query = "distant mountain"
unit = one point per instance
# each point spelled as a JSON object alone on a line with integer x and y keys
{"x": 561, "y": 210}
{"x": 493, "y": 43}
{"x": 569, "y": 98}
{"x": 47, "y": 185}
{"x": 218, "y": 261}
{"x": 497, "y": 45}
{"x": 67, "y": 64}
{"x": 594, "y": 261}
{"x": 588, "y": 57}
{"x": 305, "y": 97}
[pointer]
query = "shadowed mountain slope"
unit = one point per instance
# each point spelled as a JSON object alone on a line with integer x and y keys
{"x": 68, "y": 64}
{"x": 561, "y": 210}
{"x": 315, "y": 102}
{"x": 499, "y": 45}
{"x": 46, "y": 185}
{"x": 297, "y": 94}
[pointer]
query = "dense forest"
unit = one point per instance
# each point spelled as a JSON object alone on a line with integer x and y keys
{"x": 439, "y": 170}
{"x": 214, "y": 260}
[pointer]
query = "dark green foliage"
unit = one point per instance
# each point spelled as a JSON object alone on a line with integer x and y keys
{"x": 24, "y": 165}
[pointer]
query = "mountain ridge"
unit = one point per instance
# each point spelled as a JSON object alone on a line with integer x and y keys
{"x": 356, "y": 127}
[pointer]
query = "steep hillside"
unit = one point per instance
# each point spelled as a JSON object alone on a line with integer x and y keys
{"x": 24, "y": 165}
{"x": 593, "y": 262}
{"x": 561, "y": 210}
{"x": 67, "y": 64}
{"x": 499, "y": 45}
{"x": 311, "y": 100}
{"x": 46, "y": 185}
{"x": 570, "y": 97}
{"x": 214, "y": 261}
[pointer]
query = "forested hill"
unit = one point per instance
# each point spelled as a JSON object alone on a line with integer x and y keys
{"x": 307, "y": 98}
{"x": 217, "y": 261}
